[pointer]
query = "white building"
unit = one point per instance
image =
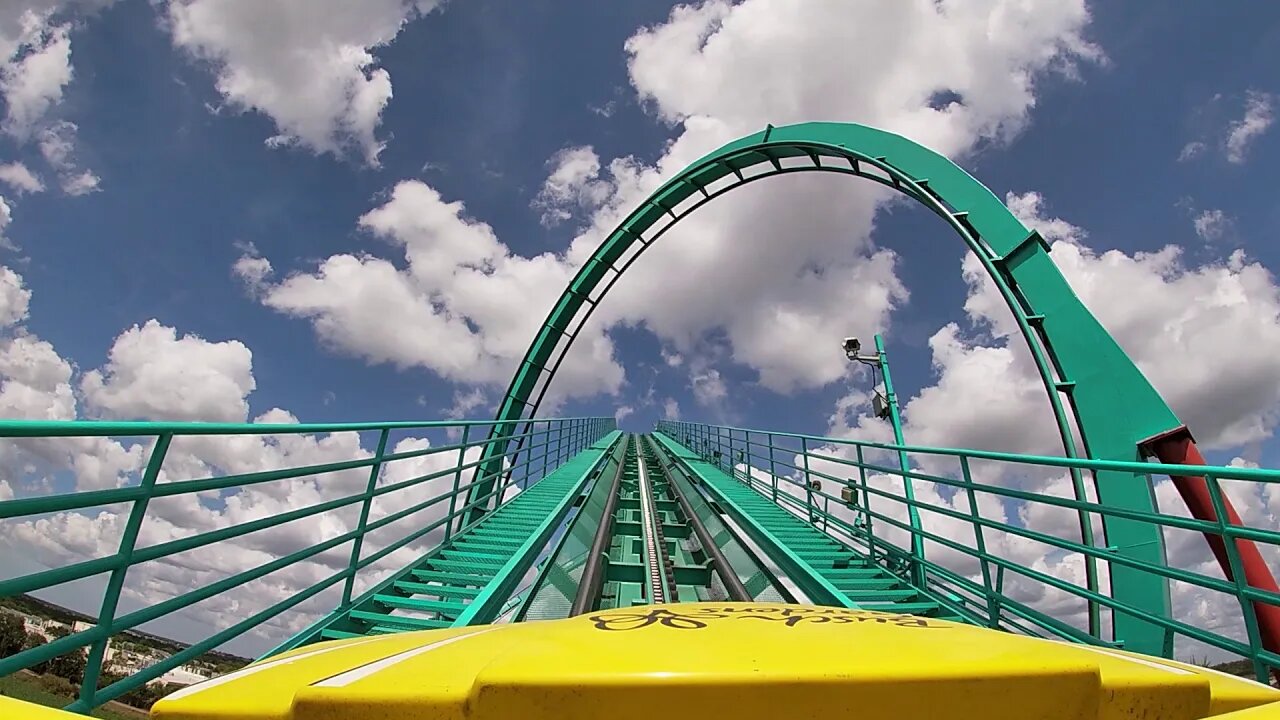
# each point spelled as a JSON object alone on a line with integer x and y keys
{"x": 184, "y": 675}
{"x": 41, "y": 626}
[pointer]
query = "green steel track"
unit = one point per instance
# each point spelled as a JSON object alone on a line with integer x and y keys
{"x": 649, "y": 559}
{"x": 616, "y": 554}
{"x": 655, "y": 519}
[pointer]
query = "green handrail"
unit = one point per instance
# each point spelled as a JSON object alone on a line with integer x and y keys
{"x": 760, "y": 459}
{"x": 544, "y": 446}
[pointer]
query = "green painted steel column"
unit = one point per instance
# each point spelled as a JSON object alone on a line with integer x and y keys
{"x": 358, "y": 543}
{"x": 115, "y": 584}
{"x": 908, "y": 487}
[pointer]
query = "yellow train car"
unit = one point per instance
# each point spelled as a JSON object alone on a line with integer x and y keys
{"x": 721, "y": 660}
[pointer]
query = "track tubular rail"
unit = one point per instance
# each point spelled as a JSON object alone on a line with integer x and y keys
{"x": 592, "y": 580}
{"x": 737, "y": 591}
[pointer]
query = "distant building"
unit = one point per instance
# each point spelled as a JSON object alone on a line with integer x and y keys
{"x": 185, "y": 675}
{"x": 43, "y": 627}
{"x": 122, "y": 655}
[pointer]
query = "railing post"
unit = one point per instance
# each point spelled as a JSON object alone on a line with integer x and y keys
{"x": 999, "y": 593}
{"x": 773, "y": 469}
{"x": 554, "y": 442}
{"x": 979, "y": 538}
{"x": 520, "y": 475}
{"x": 735, "y": 459}
{"x": 349, "y": 585}
{"x": 124, "y": 558}
{"x": 457, "y": 482}
{"x": 1238, "y": 578}
{"x": 866, "y": 503}
{"x": 500, "y": 482}
{"x": 725, "y": 460}
{"x": 808, "y": 487}
{"x": 546, "y": 448}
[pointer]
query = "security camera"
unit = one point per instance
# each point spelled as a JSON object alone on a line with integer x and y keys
{"x": 851, "y": 347}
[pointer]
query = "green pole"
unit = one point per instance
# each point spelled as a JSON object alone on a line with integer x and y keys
{"x": 123, "y": 560}
{"x": 374, "y": 470}
{"x": 895, "y": 419}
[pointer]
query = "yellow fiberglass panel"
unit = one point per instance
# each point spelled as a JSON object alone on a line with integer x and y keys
{"x": 714, "y": 660}
{"x": 11, "y": 709}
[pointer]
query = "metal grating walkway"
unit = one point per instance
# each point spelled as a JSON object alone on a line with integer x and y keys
{"x": 467, "y": 580}
{"x": 825, "y": 569}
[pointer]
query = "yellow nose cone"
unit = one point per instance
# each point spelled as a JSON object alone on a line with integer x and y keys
{"x": 729, "y": 660}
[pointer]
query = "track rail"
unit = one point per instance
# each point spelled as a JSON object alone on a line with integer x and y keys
{"x": 594, "y": 570}
{"x": 733, "y": 585}
{"x": 654, "y": 542}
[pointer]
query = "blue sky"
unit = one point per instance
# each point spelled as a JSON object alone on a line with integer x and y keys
{"x": 222, "y": 137}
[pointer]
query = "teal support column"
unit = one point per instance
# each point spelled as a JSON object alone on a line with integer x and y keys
{"x": 908, "y": 487}
{"x": 115, "y": 583}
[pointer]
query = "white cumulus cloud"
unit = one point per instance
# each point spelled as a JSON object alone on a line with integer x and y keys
{"x": 14, "y": 295}
{"x": 1164, "y": 314}
{"x": 306, "y": 64}
{"x": 1259, "y": 114}
{"x": 465, "y": 306}
{"x": 153, "y": 373}
{"x": 35, "y": 70}
{"x": 759, "y": 266}
{"x": 32, "y": 84}
{"x": 57, "y": 143}
{"x": 6, "y": 218}
{"x": 1211, "y": 224}
{"x": 20, "y": 178}
{"x": 573, "y": 185}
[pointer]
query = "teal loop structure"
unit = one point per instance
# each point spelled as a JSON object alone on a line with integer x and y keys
{"x": 1090, "y": 382}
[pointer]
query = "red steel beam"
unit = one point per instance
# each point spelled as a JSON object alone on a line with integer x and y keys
{"x": 1178, "y": 448}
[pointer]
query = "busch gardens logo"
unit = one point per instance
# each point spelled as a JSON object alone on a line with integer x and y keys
{"x": 697, "y": 618}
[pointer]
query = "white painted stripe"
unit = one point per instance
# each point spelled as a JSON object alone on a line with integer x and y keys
{"x": 1140, "y": 661}
{"x": 254, "y": 669}
{"x": 364, "y": 671}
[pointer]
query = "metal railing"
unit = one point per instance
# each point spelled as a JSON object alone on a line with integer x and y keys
{"x": 1002, "y": 503}
{"x": 350, "y": 491}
